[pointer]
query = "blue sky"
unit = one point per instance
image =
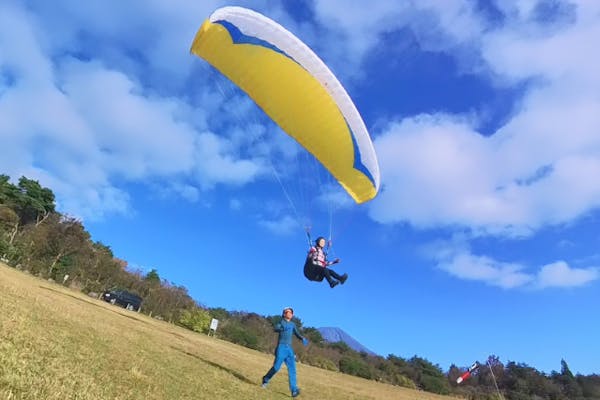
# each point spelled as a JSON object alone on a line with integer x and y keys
{"x": 485, "y": 117}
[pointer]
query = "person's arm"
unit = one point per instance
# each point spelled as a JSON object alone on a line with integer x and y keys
{"x": 337, "y": 260}
{"x": 278, "y": 327}
{"x": 297, "y": 333}
{"x": 299, "y": 336}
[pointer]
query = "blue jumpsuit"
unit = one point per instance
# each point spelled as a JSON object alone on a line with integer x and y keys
{"x": 285, "y": 353}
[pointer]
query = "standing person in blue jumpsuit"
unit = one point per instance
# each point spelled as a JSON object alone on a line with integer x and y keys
{"x": 284, "y": 351}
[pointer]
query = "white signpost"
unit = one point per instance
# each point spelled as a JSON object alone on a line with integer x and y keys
{"x": 213, "y": 326}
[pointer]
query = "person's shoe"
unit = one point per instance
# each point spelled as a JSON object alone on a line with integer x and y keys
{"x": 333, "y": 284}
{"x": 343, "y": 278}
{"x": 296, "y": 393}
{"x": 264, "y": 383}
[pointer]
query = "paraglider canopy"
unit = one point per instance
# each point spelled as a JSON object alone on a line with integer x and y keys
{"x": 295, "y": 89}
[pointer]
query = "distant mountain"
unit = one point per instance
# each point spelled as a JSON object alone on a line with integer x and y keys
{"x": 333, "y": 335}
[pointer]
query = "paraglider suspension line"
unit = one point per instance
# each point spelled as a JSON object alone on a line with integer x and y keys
{"x": 285, "y": 192}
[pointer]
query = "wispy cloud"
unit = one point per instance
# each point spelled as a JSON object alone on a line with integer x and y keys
{"x": 349, "y": 35}
{"x": 536, "y": 170}
{"x": 458, "y": 260}
{"x": 560, "y": 274}
{"x": 286, "y": 225}
{"x": 81, "y": 118}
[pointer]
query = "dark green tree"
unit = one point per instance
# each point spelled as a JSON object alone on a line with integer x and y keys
{"x": 566, "y": 380}
{"x": 219, "y": 313}
{"x": 352, "y": 365}
{"x": 9, "y": 193}
{"x": 429, "y": 376}
{"x": 35, "y": 203}
{"x": 9, "y": 225}
{"x": 314, "y": 336}
{"x": 341, "y": 347}
{"x": 152, "y": 278}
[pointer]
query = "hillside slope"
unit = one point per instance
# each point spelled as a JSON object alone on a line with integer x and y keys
{"x": 56, "y": 343}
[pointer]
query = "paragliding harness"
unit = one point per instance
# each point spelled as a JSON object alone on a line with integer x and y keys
{"x": 313, "y": 272}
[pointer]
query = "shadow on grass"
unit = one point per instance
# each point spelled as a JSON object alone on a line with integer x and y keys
{"x": 219, "y": 366}
{"x": 222, "y": 368}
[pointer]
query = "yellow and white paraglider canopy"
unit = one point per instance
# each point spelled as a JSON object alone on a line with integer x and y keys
{"x": 295, "y": 89}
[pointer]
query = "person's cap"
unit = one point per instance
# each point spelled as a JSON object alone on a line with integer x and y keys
{"x": 287, "y": 308}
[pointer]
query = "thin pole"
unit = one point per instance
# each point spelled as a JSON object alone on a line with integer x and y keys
{"x": 494, "y": 378}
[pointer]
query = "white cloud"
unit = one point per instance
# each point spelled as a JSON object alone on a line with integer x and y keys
{"x": 137, "y": 135}
{"x": 153, "y": 37}
{"x": 437, "y": 171}
{"x": 81, "y": 126}
{"x": 213, "y": 165}
{"x": 560, "y": 274}
{"x": 188, "y": 192}
{"x": 351, "y": 33}
{"x": 331, "y": 197}
{"x": 458, "y": 260}
{"x": 286, "y": 225}
{"x": 539, "y": 169}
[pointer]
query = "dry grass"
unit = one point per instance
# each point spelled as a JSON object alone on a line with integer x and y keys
{"x": 56, "y": 343}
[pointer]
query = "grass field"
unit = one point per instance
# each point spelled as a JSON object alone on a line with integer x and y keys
{"x": 56, "y": 343}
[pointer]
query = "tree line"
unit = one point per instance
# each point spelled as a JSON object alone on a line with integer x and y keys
{"x": 39, "y": 240}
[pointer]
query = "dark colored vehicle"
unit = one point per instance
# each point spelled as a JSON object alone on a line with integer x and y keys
{"x": 124, "y": 299}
